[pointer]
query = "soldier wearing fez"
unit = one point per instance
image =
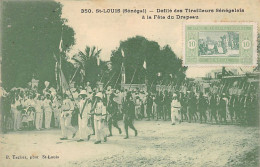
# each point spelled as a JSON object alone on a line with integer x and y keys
{"x": 129, "y": 114}
{"x": 113, "y": 111}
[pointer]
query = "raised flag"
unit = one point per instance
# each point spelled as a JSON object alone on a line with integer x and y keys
{"x": 144, "y": 65}
{"x": 64, "y": 83}
{"x": 61, "y": 44}
{"x": 98, "y": 61}
{"x": 123, "y": 53}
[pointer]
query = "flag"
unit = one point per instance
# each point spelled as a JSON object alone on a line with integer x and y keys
{"x": 64, "y": 83}
{"x": 98, "y": 61}
{"x": 144, "y": 65}
{"x": 56, "y": 74}
{"x": 123, "y": 74}
{"x": 123, "y": 53}
{"x": 61, "y": 44}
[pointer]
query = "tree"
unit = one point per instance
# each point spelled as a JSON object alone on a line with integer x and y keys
{"x": 87, "y": 62}
{"x": 31, "y": 33}
{"x": 158, "y": 60}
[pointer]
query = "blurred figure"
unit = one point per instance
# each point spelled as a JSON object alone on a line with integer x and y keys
{"x": 129, "y": 114}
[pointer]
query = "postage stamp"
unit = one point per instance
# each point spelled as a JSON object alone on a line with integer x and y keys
{"x": 220, "y": 44}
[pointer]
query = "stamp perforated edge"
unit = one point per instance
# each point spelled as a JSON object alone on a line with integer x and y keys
{"x": 254, "y": 56}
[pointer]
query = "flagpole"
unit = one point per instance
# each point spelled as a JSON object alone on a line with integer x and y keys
{"x": 110, "y": 79}
{"x": 119, "y": 75}
{"x": 132, "y": 79}
{"x": 74, "y": 75}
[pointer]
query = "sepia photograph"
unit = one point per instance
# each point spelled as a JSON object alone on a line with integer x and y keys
{"x": 118, "y": 83}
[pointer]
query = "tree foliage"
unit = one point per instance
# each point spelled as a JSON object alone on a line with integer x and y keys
{"x": 31, "y": 33}
{"x": 87, "y": 61}
{"x": 158, "y": 60}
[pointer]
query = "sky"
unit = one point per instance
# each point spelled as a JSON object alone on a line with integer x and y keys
{"x": 107, "y": 30}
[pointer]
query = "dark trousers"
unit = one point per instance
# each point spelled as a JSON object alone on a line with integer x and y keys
{"x": 214, "y": 114}
{"x": 129, "y": 123}
{"x": 203, "y": 114}
{"x": 113, "y": 121}
{"x": 92, "y": 124}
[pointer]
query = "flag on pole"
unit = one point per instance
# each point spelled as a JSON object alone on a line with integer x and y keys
{"x": 98, "y": 61}
{"x": 123, "y": 53}
{"x": 144, "y": 65}
{"x": 61, "y": 44}
{"x": 64, "y": 83}
{"x": 123, "y": 74}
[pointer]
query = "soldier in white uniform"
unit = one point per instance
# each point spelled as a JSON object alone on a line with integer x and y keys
{"x": 65, "y": 119}
{"x": 84, "y": 115}
{"x": 175, "y": 107}
{"x": 99, "y": 114}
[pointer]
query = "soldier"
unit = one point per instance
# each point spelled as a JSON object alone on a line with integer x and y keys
{"x": 223, "y": 108}
{"x": 175, "y": 108}
{"x": 191, "y": 106}
{"x": 231, "y": 106}
{"x": 65, "y": 119}
{"x": 149, "y": 106}
{"x": 213, "y": 107}
{"x": 202, "y": 107}
{"x": 100, "y": 110}
{"x": 183, "y": 101}
{"x": 112, "y": 118}
{"x": 129, "y": 114}
{"x": 84, "y": 109}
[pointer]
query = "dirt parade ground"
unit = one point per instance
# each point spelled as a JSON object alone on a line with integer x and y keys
{"x": 158, "y": 144}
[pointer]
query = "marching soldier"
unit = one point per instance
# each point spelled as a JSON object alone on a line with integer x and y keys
{"x": 223, "y": 108}
{"x": 113, "y": 112}
{"x": 202, "y": 107}
{"x": 129, "y": 114}
{"x": 99, "y": 114}
{"x": 65, "y": 119}
{"x": 84, "y": 109}
{"x": 213, "y": 107}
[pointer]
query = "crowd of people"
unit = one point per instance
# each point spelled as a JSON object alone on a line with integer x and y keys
{"x": 97, "y": 110}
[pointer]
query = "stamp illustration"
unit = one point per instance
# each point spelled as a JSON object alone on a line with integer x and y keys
{"x": 220, "y": 44}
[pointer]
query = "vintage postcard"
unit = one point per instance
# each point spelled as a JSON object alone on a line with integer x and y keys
{"x": 129, "y": 83}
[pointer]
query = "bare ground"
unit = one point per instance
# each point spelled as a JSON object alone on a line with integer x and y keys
{"x": 158, "y": 144}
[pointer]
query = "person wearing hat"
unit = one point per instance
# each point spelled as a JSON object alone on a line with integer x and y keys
{"x": 65, "y": 119}
{"x": 84, "y": 109}
{"x": 129, "y": 114}
{"x": 112, "y": 117}
{"x": 47, "y": 105}
{"x": 99, "y": 115}
{"x": 175, "y": 108}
